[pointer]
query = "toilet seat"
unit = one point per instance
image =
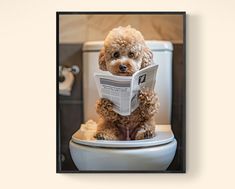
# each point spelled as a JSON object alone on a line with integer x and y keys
{"x": 164, "y": 135}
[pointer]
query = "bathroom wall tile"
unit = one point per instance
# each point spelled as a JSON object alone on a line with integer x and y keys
{"x": 99, "y": 25}
{"x": 71, "y": 117}
{"x": 80, "y": 28}
{"x": 70, "y": 107}
{"x": 70, "y": 55}
{"x": 72, "y": 28}
{"x": 163, "y": 27}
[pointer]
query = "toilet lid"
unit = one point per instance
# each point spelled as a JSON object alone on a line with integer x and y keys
{"x": 164, "y": 135}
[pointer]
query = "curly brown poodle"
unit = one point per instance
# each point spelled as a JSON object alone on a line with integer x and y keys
{"x": 124, "y": 53}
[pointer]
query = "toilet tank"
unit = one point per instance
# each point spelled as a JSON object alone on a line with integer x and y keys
{"x": 162, "y": 55}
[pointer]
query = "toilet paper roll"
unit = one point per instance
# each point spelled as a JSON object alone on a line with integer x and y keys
{"x": 65, "y": 87}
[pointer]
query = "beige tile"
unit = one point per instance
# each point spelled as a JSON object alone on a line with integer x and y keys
{"x": 80, "y": 28}
{"x": 73, "y": 28}
{"x": 162, "y": 27}
{"x": 99, "y": 25}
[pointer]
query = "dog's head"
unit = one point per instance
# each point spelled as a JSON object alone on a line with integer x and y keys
{"x": 124, "y": 52}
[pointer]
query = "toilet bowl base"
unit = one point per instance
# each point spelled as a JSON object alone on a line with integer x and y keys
{"x": 153, "y": 158}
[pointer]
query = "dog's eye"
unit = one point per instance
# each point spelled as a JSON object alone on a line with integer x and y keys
{"x": 131, "y": 55}
{"x": 116, "y": 54}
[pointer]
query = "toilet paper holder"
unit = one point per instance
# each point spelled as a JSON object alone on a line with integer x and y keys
{"x": 66, "y": 79}
{"x": 73, "y": 69}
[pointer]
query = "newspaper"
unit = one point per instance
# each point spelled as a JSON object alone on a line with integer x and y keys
{"x": 123, "y": 90}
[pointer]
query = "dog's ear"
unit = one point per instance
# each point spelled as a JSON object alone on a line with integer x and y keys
{"x": 147, "y": 58}
{"x": 102, "y": 63}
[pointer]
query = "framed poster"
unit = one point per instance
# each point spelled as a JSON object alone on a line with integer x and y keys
{"x": 121, "y": 92}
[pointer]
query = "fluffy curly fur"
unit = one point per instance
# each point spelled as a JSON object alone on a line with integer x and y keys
{"x": 124, "y": 53}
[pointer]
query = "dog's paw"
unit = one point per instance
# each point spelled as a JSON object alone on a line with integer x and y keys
{"x": 105, "y": 136}
{"x": 149, "y": 134}
{"x": 100, "y": 136}
{"x": 144, "y": 134}
{"x": 104, "y": 107}
{"x": 149, "y": 103}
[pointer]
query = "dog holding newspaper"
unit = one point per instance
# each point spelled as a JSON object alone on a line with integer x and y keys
{"x": 123, "y": 54}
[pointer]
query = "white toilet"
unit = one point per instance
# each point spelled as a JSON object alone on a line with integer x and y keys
{"x": 153, "y": 154}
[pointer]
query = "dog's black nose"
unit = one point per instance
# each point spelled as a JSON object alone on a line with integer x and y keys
{"x": 122, "y": 67}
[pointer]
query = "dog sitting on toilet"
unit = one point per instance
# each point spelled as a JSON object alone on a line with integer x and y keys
{"x": 125, "y": 52}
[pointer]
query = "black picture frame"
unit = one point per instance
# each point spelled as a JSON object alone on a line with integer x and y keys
{"x": 182, "y": 141}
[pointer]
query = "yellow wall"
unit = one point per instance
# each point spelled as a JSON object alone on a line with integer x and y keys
{"x": 80, "y": 28}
